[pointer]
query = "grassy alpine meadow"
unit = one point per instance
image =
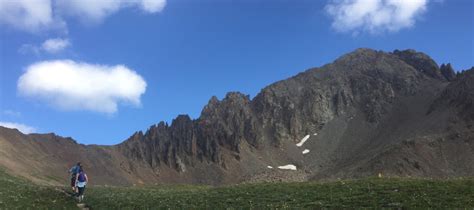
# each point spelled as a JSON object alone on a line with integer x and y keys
{"x": 370, "y": 193}
{"x": 18, "y": 193}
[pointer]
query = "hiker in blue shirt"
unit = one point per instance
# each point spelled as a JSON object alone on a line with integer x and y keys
{"x": 81, "y": 182}
{"x": 74, "y": 171}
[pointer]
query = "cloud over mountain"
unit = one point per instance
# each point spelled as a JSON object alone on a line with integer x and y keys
{"x": 21, "y": 127}
{"x": 71, "y": 85}
{"x": 374, "y": 16}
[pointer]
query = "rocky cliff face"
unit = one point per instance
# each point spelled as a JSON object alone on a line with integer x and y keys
{"x": 367, "y": 112}
{"x": 222, "y": 125}
{"x": 364, "y": 83}
{"x": 421, "y": 62}
{"x": 364, "y": 80}
{"x": 458, "y": 96}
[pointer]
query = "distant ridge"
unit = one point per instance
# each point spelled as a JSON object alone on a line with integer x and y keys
{"x": 368, "y": 112}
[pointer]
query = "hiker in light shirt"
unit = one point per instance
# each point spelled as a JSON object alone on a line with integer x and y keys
{"x": 81, "y": 182}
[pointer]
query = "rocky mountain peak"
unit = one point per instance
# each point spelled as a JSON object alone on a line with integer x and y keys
{"x": 214, "y": 100}
{"x": 459, "y": 93}
{"x": 212, "y": 104}
{"x": 421, "y": 62}
{"x": 181, "y": 119}
{"x": 233, "y": 102}
{"x": 237, "y": 97}
{"x": 447, "y": 71}
{"x": 362, "y": 57}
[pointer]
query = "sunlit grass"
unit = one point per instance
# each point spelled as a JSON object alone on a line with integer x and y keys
{"x": 19, "y": 193}
{"x": 370, "y": 192}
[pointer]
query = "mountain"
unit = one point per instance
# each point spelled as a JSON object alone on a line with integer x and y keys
{"x": 368, "y": 112}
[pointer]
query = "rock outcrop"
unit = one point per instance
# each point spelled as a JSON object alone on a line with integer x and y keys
{"x": 447, "y": 71}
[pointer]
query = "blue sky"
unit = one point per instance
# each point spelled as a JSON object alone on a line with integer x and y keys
{"x": 136, "y": 64}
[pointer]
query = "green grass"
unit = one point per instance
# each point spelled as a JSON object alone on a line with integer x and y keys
{"x": 368, "y": 193}
{"x": 372, "y": 193}
{"x": 18, "y": 193}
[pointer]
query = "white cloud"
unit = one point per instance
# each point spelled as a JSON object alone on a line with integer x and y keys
{"x": 50, "y": 45}
{"x": 91, "y": 10}
{"x": 374, "y": 16}
{"x": 21, "y": 127}
{"x": 153, "y": 6}
{"x": 28, "y": 15}
{"x": 37, "y": 15}
{"x": 96, "y": 11}
{"x": 55, "y": 45}
{"x": 71, "y": 85}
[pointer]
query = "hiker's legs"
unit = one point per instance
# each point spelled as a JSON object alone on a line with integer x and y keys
{"x": 73, "y": 184}
{"x": 81, "y": 193}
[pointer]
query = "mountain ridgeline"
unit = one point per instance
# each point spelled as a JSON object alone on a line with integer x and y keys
{"x": 368, "y": 112}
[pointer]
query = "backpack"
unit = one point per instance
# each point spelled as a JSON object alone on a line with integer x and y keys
{"x": 82, "y": 177}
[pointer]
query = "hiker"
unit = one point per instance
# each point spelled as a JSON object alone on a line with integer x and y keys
{"x": 81, "y": 181}
{"x": 74, "y": 171}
